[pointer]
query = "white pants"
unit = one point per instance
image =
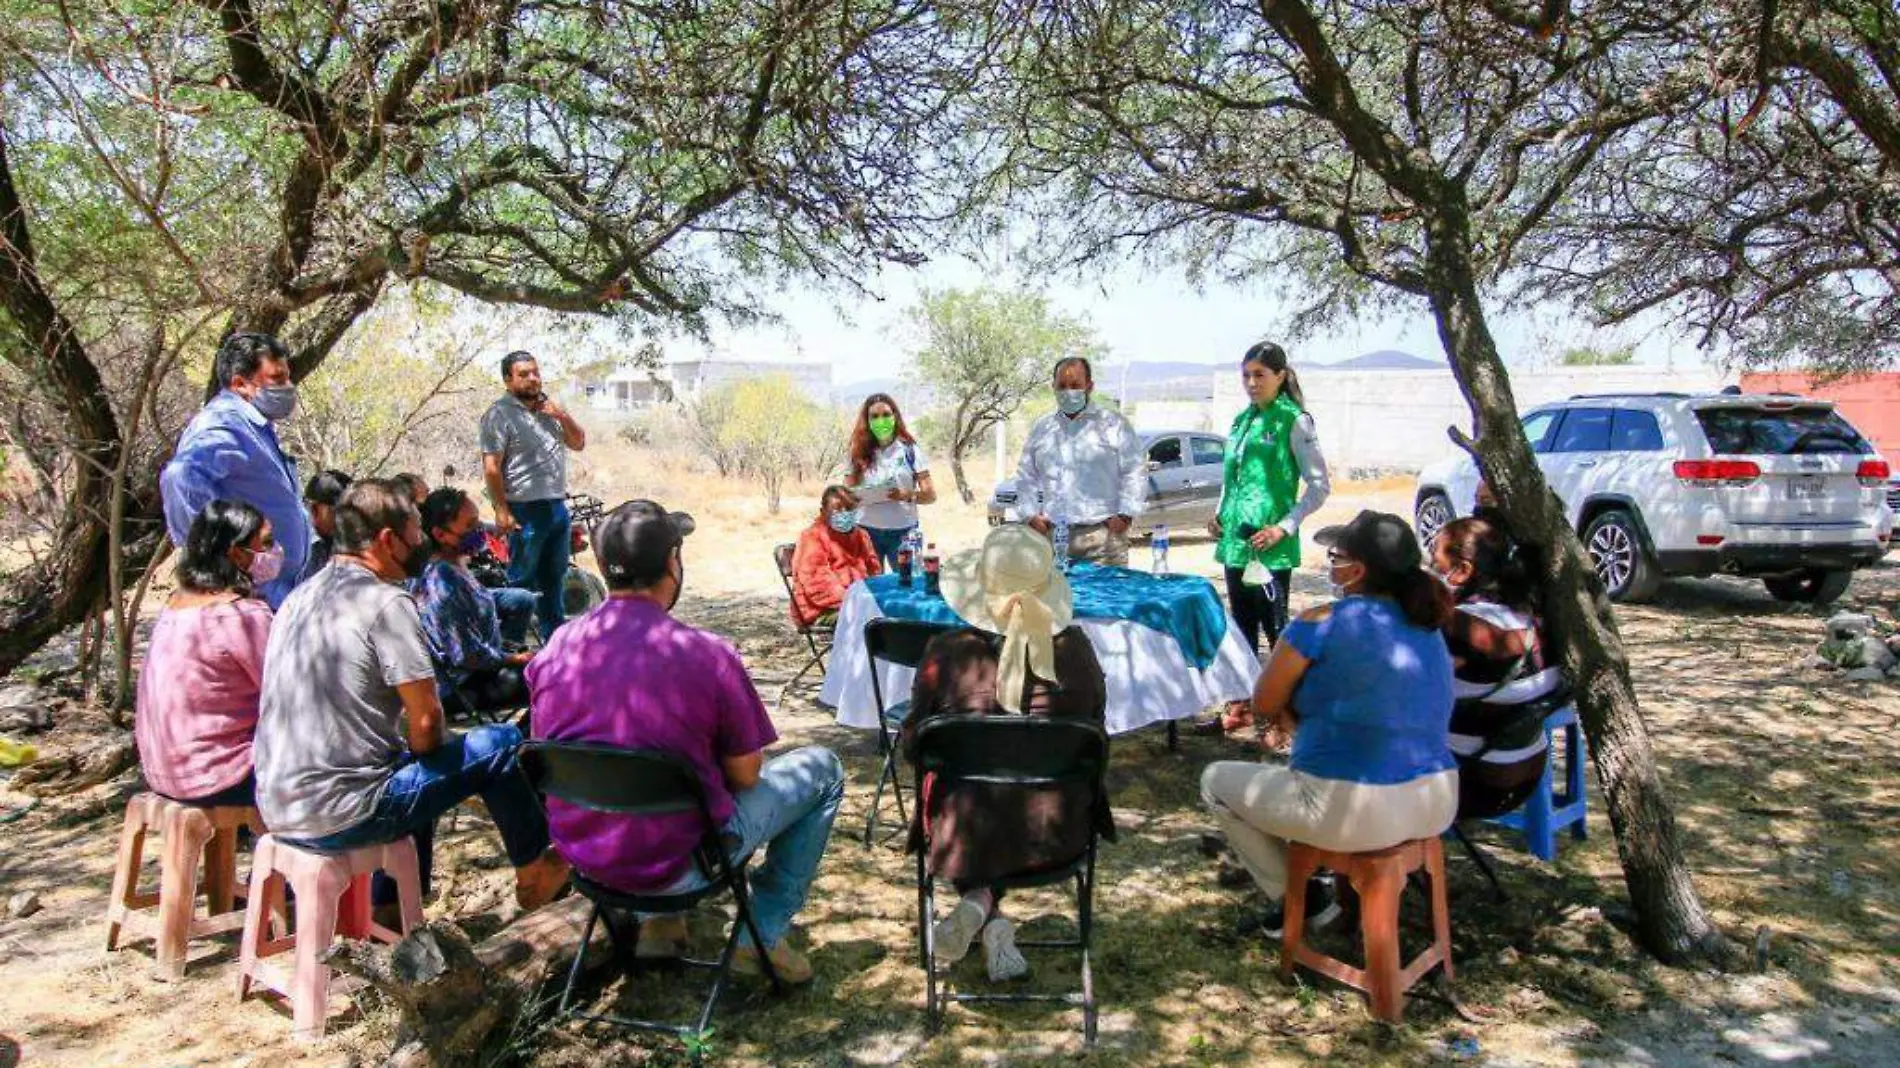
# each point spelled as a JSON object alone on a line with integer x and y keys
{"x": 1261, "y": 807}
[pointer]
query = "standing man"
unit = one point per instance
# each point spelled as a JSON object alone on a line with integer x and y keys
{"x": 321, "y": 495}
{"x": 230, "y": 451}
{"x": 525, "y": 439}
{"x": 1085, "y": 465}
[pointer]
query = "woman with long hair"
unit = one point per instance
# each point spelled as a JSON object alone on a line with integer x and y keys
{"x": 1503, "y": 685}
{"x": 198, "y": 692}
{"x": 459, "y": 615}
{"x": 889, "y": 473}
{"x": 1273, "y": 479}
{"x": 1364, "y": 687}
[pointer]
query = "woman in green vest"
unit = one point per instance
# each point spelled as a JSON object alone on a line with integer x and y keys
{"x": 1274, "y": 478}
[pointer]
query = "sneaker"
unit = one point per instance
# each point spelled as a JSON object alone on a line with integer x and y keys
{"x": 662, "y": 938}
{"x": 956, "y": 931}
{"x": 1001, "y": 959}
{"x": 789, "y": 964}
{"x": 1322, "y": 908}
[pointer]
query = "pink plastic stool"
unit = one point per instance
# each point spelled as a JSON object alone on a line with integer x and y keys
{"x": 191, "y": 835}
{"x": 332, "y": 899}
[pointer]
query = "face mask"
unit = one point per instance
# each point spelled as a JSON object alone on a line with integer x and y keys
{"x": 275, "y": 402}
{"x": 843, "y": 522}
{"x": 1072, "y": 401}
{"x": 472, "y": 542}
{"x": 266, "y": 565}
{"x": 884, "y": 428}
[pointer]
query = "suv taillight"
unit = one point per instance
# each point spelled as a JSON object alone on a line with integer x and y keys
{"x": 1873, "y": 473}
{"x": 1717, "y": 472}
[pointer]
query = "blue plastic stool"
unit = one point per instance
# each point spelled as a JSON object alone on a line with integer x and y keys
{"x": 1541, "y": 817}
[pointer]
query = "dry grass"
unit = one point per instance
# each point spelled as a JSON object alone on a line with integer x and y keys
{"x": 1787, "y": 786}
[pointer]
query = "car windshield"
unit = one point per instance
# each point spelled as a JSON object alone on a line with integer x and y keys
{"x": 1778, "y": 431}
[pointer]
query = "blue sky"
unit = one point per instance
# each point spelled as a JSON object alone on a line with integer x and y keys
{"x": 1138, "y": 316}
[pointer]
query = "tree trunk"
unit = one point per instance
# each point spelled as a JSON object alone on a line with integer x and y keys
{"x": 1670, "y": 918}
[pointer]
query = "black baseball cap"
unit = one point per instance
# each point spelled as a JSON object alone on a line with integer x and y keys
{"x": 1380, "y": 540}
{"x": 636, "y": 540}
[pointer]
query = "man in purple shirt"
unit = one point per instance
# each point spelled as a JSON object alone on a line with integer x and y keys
{"x": 629, "y": 674}
{"x": 230, "y": 451}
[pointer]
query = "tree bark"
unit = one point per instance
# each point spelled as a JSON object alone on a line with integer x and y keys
{"x": 1670, "y": 918}
{"x": 67, "y": 584}
{"x": 956, "y": 472}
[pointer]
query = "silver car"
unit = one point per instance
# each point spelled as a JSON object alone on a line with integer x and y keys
{"x": 1184, "y": 481}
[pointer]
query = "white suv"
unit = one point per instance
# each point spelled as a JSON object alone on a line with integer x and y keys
{"x": 1669, "y": 484}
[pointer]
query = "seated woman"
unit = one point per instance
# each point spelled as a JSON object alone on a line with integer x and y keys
{"x": 1371, "y": 764}
{"x": 832, "y": 554}
{"x": 198, "y": 692}
{"x": 980, "y": 833}
{"x": 467, "y": 638}
{"x": 1503, "y": 686}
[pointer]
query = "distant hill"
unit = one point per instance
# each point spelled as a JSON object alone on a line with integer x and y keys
{"x": 1383, "y": 360}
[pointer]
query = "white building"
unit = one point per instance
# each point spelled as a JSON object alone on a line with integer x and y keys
{"x": 635, "y": 389}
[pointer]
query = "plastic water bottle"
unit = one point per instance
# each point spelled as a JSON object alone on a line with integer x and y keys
{"x": 1160, "y": 544}
{"x": 1059, "y": 540}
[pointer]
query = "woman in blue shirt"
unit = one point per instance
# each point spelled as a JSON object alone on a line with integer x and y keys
{"x": 1364, "y": 686}
{"x": 459, "y": 616}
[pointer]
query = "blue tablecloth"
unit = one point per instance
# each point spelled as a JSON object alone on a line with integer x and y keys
{"x": 1184, "y": 607}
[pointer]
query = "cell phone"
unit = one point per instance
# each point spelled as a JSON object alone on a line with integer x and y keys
{"x": 1247, "y": 531}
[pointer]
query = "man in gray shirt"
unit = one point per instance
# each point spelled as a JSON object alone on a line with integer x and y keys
{"x": 346, "y": 663}
{"x": 525, "y": 439}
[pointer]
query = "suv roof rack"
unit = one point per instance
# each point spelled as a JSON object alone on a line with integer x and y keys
{"x": 1614, "y": 396}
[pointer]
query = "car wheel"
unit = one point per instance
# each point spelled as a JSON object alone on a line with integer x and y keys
{"x": 1434, "y": 511}
{"x": 1814, "y": 585}
{"x": 1622, "y": 560}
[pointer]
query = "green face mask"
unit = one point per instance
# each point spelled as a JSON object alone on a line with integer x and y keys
{"x": 883, "y": 428}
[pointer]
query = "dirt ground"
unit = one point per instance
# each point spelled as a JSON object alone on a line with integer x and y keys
{"x": 1786, "y": 783}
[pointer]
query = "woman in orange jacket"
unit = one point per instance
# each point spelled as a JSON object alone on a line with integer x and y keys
{"x": 832, "y": 553}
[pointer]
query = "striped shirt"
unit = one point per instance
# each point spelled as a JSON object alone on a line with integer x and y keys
{"x": 1488, "y": 687}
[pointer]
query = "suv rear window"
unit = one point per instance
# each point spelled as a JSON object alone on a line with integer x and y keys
{"x": 1636, "y": 431}
{"x": 1778, "y": 431}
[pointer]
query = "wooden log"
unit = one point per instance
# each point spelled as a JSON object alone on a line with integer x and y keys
{"x": 464, "y": 1004}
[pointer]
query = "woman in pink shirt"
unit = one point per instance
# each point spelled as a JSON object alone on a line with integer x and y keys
{"x": 198, "y": 691}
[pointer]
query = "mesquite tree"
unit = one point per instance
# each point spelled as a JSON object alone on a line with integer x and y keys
{"x": 274, "y": 165}
{"x": 1390, "y": 152}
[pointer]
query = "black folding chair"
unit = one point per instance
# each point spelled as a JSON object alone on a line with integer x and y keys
{"x": 812, "y": 633}
{"x": 1024, "y": 751}
{"x": 900, "y": 642}
{"x": 644, "y": 782}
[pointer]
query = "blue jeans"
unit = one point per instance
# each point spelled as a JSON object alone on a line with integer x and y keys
{"x": 482, "y": 761}
{"x": 537, "y": 557}
{"x": 514, "y": 610}
{"x": 887, "y": 542}
{"x": 789, "y": 813}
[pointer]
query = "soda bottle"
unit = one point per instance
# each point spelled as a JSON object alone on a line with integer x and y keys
{"x": 903, "y": 561}
{"x": 1059, "y": 540}
{"x": 1160, "y": 545}
{"x": 933, "y": 579}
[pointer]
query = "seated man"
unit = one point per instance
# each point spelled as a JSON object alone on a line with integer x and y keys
{"x": 832, "y": 553}
{"x": 346, "y": 663}
{"x": 628, "y": 674}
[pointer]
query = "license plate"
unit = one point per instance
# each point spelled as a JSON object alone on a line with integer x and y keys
{"x": 1807, "y": 488}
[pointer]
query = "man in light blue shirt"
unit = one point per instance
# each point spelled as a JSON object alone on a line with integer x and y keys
{"x": 230, "y": 451}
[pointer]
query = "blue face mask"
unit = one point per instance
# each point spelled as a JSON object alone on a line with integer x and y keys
{"x": 1072, "y": 401}
{"x": 843, "y": 522}
{"x": 472, "y": 542}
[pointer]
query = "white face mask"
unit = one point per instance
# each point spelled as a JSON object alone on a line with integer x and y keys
{"x": 266, "y": 565}
{"x": 1072, "y": 401}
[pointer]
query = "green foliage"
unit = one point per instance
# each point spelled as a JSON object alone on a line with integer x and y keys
{"x": 983, "y": 352}
{"x": 1586, "y": 356}
{"x": 767, "y": 429}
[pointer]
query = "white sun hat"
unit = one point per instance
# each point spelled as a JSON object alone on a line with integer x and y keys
{"x": 1011, "y": 587}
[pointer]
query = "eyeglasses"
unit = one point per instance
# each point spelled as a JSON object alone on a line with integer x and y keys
{"x": 1334, "y": 556}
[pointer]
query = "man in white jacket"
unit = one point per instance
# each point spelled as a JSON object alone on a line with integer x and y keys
{"x": 1084, "y": 466}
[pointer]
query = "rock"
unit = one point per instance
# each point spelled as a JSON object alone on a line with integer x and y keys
{"x": 23, "y": 904}
{"x": 1507, "y": 957}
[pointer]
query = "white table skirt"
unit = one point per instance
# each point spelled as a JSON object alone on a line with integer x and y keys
{"x": 1149, "y": 680}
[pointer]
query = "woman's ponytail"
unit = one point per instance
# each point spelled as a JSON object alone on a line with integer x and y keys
{"x": 1425, "y": 600}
